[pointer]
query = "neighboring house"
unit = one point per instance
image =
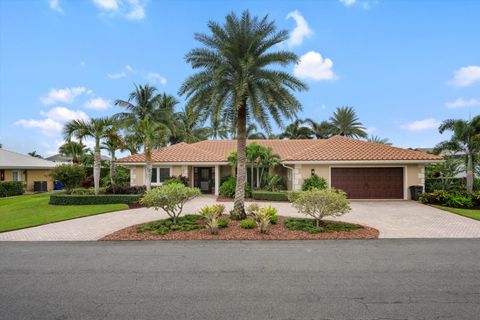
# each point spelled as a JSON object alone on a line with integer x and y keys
{"x": 362, "y": 169}
{"x": 61, "y": 159}
{"x": 19, "y": 167}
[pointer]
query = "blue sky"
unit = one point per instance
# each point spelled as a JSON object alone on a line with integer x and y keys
{"x": 404, "y": 65}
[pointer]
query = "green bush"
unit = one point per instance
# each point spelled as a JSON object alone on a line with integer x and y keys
{"x": 436, "y": 197}
{"x": 234, "y": 215}
{"x": 161, "y": 227}
{"x": 247, "y": 224}
{"x": 271, "y": 213}
{"x": 314, "y": 182}
{"x": 69, "y": 175}
{"x": 227, "y": 188}
{"x": 11, "y": 188}
{"x": 270, "y": 195}
{"x": 85, "y": 192}
{"x": 459, "y": 201}
{"x": 69, "y": 200}
{"x": 223, "y": 223}
{"x": 455, "y": 200}
{"x": 275, "y": 183}
{"x": 310, "y": 226}
{"x": 211, "y": 214}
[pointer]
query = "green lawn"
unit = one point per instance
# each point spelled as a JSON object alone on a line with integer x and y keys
{"x": 469, "y": 213}
{"x": 33, "y": 210}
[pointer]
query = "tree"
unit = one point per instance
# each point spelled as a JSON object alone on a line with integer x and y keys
{"x": 237, "y": 80}
{"x": 112, "y": 143}
{"x": 72, "y": 149}
{"x": 345, "y": 122}
{"x": 297, "y": 130}
{"x": 35, "y": 154}
{"x": 189, "y": 126}
{"x": 321, "y": 130}
{"x": 253, "y": 133}
{"x": 96, "y": 129}
{"x": 69, "y": 175}
{"x": 378, "y": 140}
{"x": 465, "y": 139}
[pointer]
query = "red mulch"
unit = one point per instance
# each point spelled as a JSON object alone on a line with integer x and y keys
{"x": 234, "y": 232}
{"x": 227, "y": 199}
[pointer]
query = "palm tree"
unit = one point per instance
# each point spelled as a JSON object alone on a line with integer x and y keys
{"x": 237, "y": 80}
{"x": 253, "y": 133}
{"x": 72, "y": 149}
{"x": 112, "y": 143}
{"x": 153, "y": 136}
{"x": 321, "y": 130}
{"x": 143, "y": 102}
{"x": 297, "y": 130}
{"x": 189, "y": 126}
{"x": 35, "y": 154}
{"x": 131, "y": 143}
{"x": 465, "y": 139}
{"x": 378, "y": 140}
{"x": 93, "y": 128}
{"x": 345, "y": 122}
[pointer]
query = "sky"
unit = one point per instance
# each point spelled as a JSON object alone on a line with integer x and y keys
{"x": 404, "y": 66}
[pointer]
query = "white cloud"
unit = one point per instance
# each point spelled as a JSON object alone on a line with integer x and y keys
{"x": 98, "y": 104}
{"x": 62, "y": 114}
{"x": 371, "y": 130}
{"x": 109, "y": 5}
{"x": 129, "y": 68}
{"x": 136, "y": 12}
{"x": 466, "y": 76}
{"x": 130, "y": 9}
{"x": 118, "y": 75}
{"x": 313, "y": 66}
{"x": 348, "y": 3}
{"x": 66, "y": 95}
{"x": 300, "y": 32}
{"x": 55, "y": 5}
{"x": 47, "y": 126}
{"x": 462, "y": 103}
{"x": 155, "y": 77}
{"x": 419, "y": 125}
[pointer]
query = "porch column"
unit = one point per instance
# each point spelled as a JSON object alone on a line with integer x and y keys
{"x": 217, "y": 179}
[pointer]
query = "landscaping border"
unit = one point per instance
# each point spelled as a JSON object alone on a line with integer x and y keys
{"x": 68, "y": 200}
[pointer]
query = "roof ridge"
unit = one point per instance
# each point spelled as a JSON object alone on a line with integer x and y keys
{"x": 317, "y": 142}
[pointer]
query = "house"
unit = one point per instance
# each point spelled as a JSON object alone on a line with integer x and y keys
{"x": 32, "y": 171}
{"x": 364, "y": 170}
{"x": 62, "y": 159}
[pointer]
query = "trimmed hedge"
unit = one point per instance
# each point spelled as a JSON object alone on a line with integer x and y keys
{"x": 270, "y": 195}
{"x": 68, "y": 200}
{"x": 11, "y": 188}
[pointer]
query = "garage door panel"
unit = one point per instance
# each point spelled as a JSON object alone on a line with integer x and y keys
{"x": 369, "y": 183}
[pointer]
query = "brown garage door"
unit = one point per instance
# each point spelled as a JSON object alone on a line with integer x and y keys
{"x": 369, "y": 183}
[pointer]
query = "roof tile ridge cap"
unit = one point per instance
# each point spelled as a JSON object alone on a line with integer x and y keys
{"x": 300, "y": 153}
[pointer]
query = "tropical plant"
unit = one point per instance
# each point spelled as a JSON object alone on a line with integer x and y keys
{"x": 297, "y": 130}
{"x": 189, "y": 126}
{"x": 247, "y": 224}
{"x": 378, "y": 140}
{"x": 73, "y": 149}
{"x": 97, "y": 129}
{"x": 262, "y": 219}
{"x": 465, "y": 140}
{"x": 254, "y": 134}
{"x": 171, "y": 198}
{"x": 236, "y": 81}
{"x": 314, "y": 182}
{"x": 321, "y": 203}
{"x": 112, "y": 143}
{"x": 69, "y": 175}
{"x": 35, "y": 154}
{"x": 345, "y": 122}
{"x": 321, "y": 130}
{"x": 212, "y": 215}
{"x": 252, "y": 208}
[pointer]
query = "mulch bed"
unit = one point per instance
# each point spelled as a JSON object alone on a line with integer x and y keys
{"x": 234, "y": 232}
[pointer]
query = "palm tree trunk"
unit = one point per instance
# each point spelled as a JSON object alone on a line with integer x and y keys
{"x": 239, "y": 202}
{"x": 112, "y": 167}
{"x": 258, "y": 176}
{"x": 251, "y": 176}
{"x": 469, "y": 173}
{"x": 96, "y": 168}
{"x": 148, "y": 174}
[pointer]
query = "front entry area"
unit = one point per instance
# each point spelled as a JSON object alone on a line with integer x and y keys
{"x": 369, "y": 183}
{"x": 204, "y": 179}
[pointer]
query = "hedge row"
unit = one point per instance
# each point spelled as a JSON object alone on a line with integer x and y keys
{"x": 270, "y": 195}
{"x": 11, "y": 188}
{"x": 67, "y": 199}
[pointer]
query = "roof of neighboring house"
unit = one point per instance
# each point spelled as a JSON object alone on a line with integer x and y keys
{"x": 13, "y": 160}
{"x": 61, "y": 158}
{"x": 336, "y": 148}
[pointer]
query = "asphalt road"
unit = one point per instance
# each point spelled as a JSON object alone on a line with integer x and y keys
{"x": 378, "y": 279}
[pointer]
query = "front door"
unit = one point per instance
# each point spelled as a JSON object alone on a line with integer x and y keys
{"x": 204, "y": 181}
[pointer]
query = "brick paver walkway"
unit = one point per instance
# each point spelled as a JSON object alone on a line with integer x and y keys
{"x": 394, "y": 219}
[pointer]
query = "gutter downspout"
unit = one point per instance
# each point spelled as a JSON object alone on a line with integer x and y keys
{"x": 293, "y": 172}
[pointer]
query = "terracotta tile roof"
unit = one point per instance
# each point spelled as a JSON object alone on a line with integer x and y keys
{"x": 333, "y": 149}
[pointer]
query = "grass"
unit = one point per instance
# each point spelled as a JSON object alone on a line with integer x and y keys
{"x": 33, "y": 210}
{"x": 161, "y": 227}
{"x": 469, "y": 213}
{"x": 309, "y": 225}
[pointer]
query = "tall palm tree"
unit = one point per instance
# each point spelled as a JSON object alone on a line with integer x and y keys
{"x": 112, "y": 143}
{"x": 189, "y": 126}
{"x": 297, "y": 130}
{"x": 253, "y": 133}
{"x": 72, "y": 149}
{"x": 378, "y": 140}
{"x": 153, "y": 136}
{"x": 96, "y": 129}
{"x": 237, "y": 79}
{"x": 131, "y": 143}
{"x": 345, "y": 122}
{"x": 465, "y": 139}
{"x": 142, "y": 102}
{"x": 321, "y": 130}
{"x": 35, "y": 154}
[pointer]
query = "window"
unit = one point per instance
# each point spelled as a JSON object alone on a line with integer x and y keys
{"x": 16, "y": 175}
{"x": 154, "y": 175}
{"x": 160, "y": 174}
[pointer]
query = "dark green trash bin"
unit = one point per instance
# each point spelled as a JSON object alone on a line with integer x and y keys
{"x": 415, "y": 192}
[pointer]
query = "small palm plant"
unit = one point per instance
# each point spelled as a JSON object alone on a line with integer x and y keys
{"x": 212, "y": 216}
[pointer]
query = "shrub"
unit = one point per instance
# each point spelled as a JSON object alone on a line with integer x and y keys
{"x": 11, "y": 188}
{"x": 84, "y": 192}
{"x": 314, "y": 182}
{"x": 234, "y": 215}
{"x": 70, "y": 200}
{"x": 309, "y": 225}
{"x": 69, "y": 175}
{"x": 227, "y": 188}
{"x": 177, "y": 179}
{"x": 247, "y": 224}
{"x": 275, "y": 183}
{"x": 89, "y": 182}
{"x": 252, "y": 208}
{"x": 459, "y": 201}
{"x": 270, "y": 195}
{"x": 125, "y": 189}
{"x": 161, "y": 227}
{"x": 476, "y": 198}
{"x": 435, "y": 197}
{"x": 262, "y": 219}
{"x": 171, "y": 198}
{"x": 322, "y": 203}
{"x": 271, "y": 213}
{"x": 212, "y": 214}
{"x": 223, "y": 223}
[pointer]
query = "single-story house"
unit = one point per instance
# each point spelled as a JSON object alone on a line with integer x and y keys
{"x": 62, "y": 159}
{"x": 364, "y": 170}
{"x": 32, "y": 171}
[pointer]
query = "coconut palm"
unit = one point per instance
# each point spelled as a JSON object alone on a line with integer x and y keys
{"x": 142, "y": 102}
{"x": 73, "y": 149}
{"x": 35, "y": 154}
{"x": 96, "y": 129}
{"x": 345, "y": 122}
{"x": 377, "y": 139}
{"x": 112, "y": 144}
{"x": 253, "y": 133}
{"x": 321, "y": 130}
{"x": 297, "y": 130}
{"x": 465, "y": 140}
{"x": 189, "y": 126}
{"x": 237, "y": 80}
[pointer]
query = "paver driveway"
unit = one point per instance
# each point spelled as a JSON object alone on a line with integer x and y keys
{"x": 394, "y": 219}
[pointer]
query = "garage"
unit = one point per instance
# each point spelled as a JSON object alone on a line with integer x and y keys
{"x": 369, "y": 183}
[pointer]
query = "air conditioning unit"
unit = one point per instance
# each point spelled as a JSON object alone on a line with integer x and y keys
{"x": 40, "y": 186}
